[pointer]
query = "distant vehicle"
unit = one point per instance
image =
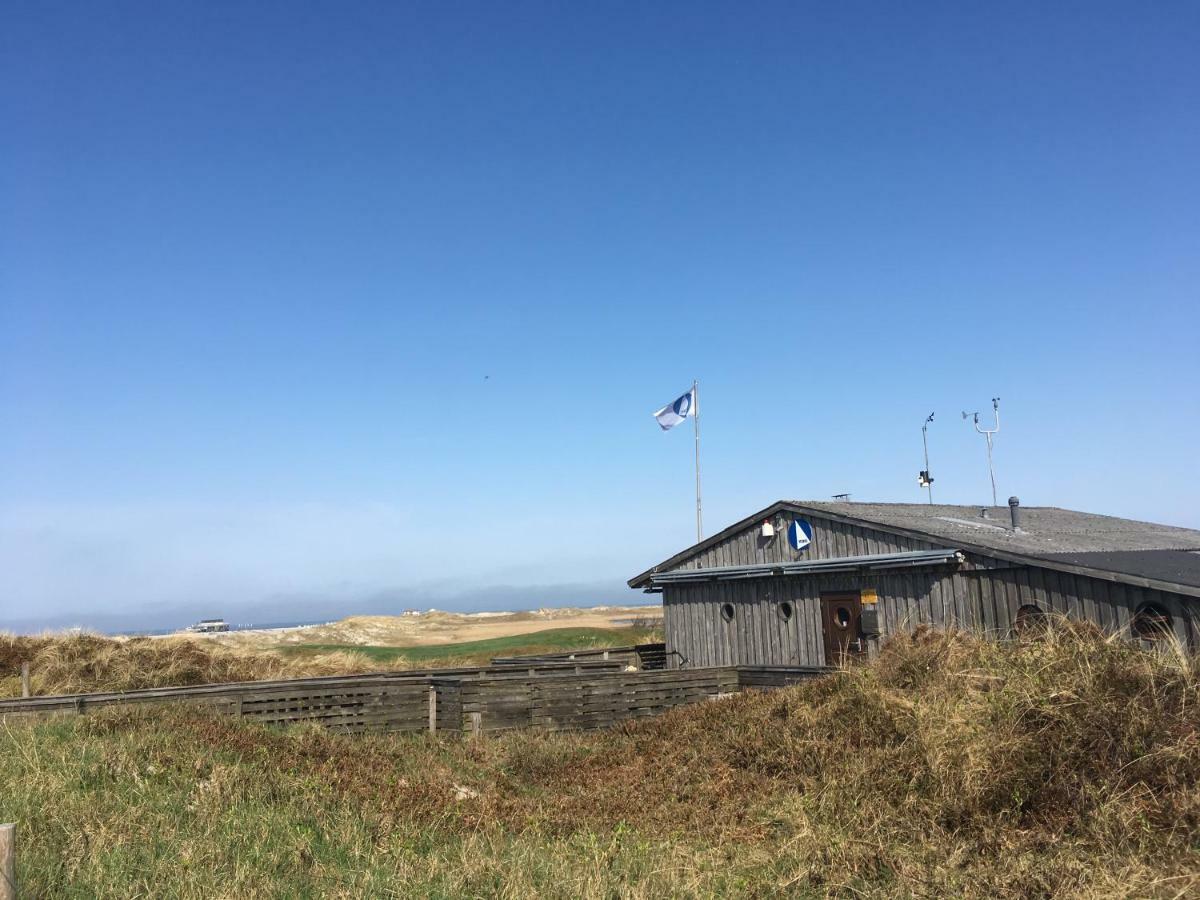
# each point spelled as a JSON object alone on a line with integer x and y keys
{"x": 208, "y": 626}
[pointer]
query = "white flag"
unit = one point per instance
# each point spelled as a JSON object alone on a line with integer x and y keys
{"x": 674, "y": 413}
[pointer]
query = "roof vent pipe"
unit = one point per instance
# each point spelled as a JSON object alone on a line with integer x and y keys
{"x": 1014, "y": 510}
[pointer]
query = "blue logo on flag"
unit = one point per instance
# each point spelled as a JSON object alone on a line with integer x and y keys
{"x": 799, "y": 534}
{"x": 682, "y": 405}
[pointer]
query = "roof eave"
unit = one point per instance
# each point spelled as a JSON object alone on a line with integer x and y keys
{"x": 864, "y": 563}
{"x": 700, "y": 546}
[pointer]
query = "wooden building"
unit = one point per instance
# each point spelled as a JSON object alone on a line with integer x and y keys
{"x": 809, "y": 583}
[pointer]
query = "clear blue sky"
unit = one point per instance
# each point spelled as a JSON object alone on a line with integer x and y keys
{"x": 314, "y": 306}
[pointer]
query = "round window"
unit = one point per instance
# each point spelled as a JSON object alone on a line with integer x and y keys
{"x": 1151, "y": 622}
{"x": 785, "y": 610}
{"x": 1031, "y": 619}
{"x": 727, "y": 612}
{"x": 843, "y": 617}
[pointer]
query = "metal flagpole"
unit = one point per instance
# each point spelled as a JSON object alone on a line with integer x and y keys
{"x": 696, "y": 424}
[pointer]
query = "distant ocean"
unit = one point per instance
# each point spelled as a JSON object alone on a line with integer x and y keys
{"x": 233, "y": 626}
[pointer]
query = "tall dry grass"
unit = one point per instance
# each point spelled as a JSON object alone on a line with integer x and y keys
{"x": 1067, "y": 766}
{"x": 81, "y": 663}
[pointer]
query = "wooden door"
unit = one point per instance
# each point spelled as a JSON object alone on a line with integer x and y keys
{"x": 841, "y": 621}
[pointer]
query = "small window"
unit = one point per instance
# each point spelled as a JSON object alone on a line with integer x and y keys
{"x": 727, "y": 612}
{"x": 785, "y": 611}
{"x": 843, "y": 617}
{"x": 1031, "y": 619}
{"x": 1151, "y": 622}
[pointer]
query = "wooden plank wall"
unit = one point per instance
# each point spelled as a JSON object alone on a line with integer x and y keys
{"x": 372, "y": 706}
{"x": 758, "y": 633}
{"x": 589, "y": 701}
{"x": 830, "y": 540}
{"x": 986, "y": 600}
{"x": 641, "y": 656}
{"x": 772, "y": 677}
{"x": 983, "y": 596}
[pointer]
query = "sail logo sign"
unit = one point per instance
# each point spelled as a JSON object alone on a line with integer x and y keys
{"x": 799, "y": 534}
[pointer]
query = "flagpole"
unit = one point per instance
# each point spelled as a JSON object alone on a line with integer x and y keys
{"x": 696, "y": 424}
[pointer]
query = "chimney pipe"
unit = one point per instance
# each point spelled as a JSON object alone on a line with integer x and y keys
{"x": 1014, "y": 510}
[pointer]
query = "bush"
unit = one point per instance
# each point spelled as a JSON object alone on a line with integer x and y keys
{"x": 82, "y": 663}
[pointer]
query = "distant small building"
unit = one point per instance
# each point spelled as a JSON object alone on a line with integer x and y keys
{"x": 815, "y": 583}
{"x": 208, "y": 626}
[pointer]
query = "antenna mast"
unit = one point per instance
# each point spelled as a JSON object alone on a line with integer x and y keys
{"x": 987, "y": 433}
{"x": 924, "y": 479}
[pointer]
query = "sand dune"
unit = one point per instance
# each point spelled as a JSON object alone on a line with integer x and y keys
{"x": 437, "y": 627}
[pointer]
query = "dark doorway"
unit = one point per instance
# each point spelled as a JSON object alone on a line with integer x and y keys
{"x": 841, "y": 620}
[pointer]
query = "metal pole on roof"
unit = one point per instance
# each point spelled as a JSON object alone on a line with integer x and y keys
{"x": 925, "y": 440}
{"x": 987, "y": 433}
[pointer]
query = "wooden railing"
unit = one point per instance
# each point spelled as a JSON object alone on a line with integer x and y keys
{"x": 552, "y": 695}
{"x": 641, "y": 656}
{"x": 587, "y": 701}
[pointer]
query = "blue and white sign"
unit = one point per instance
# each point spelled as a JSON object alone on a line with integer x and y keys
{"x": 799, "y": 534}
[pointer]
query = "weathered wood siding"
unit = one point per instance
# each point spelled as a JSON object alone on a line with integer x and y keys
{"x": 986, "y": 600}
{"x": 983, "y": 595}
{"x": 830, "y": 540}
{"x": 759, "y": 634}
{"x": 587, "y": 701}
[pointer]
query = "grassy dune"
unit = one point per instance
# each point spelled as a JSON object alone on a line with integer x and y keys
{"x": 1066, "y": 767}
{"x": 87, "y": 662}
{"x": 552, "y": 640}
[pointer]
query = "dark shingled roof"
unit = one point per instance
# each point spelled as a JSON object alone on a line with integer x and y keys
{"x": 1105, "y": 546}
{"x": 1044, "y": 529}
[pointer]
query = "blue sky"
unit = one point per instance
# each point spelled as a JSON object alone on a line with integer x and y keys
{"x": 310, "y": 308}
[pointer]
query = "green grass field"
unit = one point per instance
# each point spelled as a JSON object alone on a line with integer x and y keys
{"x": 552, "y": 640}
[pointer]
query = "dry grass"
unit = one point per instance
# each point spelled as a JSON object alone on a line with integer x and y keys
{"x": 78, "y": 663}
{"x": 1062, "y": 767}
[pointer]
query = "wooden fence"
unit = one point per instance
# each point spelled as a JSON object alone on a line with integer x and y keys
{"x": 217, "y": 693}
{"x": 640, "y": 656}
{"x": 769, "y": 677}
{"x": 547, "y": 695}
{"x": 587, "y": 701}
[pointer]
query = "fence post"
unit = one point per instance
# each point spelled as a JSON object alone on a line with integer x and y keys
{"x": 25, "y": 691}
{"x": 432, "y": 707}
{"x": 8, "y": 862}
{"x": 475, "y": 723}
